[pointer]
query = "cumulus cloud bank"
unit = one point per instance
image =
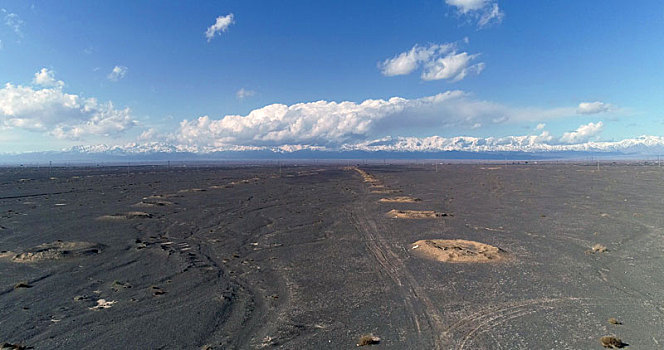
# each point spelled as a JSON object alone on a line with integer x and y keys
{"x": 332, "y": 124}
{"x": 51, "y": 110}
{"x": 220, "y": 25}
{"x": 438, "y": 61}
{"x": 593, "y": 107}
{"x": 485, "y": 12}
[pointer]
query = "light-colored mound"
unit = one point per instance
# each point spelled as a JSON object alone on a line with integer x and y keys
{"x": 386, "y": 191}
{"x": 400, "y": 199}
{"x": 188, "y": 190}
{"x": 415, "y": 214}
{"x": 103, "y": 304}
{"x": 147, "y": 203}
{"x": 126, "y": 216}
{"x": 458, "y": 250}
{"x": 55, "y": 251}
{"x": 366, "y": 176}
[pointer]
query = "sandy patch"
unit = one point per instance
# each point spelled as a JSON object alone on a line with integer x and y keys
{"x": 54, "y": 251}
{"x": 400, "y": 199}
{"x": 126, "y": 216}
{"x": 457, "y": 250}
{"x": 415, "y": 214}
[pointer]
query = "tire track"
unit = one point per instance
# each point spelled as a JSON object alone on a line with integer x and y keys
{"x": 420, "y": 308}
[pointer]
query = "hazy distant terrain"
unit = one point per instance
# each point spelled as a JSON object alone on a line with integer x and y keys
{"x": 315, "y": 257}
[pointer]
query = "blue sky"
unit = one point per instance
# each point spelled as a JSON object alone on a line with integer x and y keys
{"x": 593, "y": 70}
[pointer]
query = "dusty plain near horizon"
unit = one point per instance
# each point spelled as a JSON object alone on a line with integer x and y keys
{"x": 454, "y": 256}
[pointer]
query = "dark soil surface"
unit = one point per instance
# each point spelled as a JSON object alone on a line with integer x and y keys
{"x": 306, "y": 257}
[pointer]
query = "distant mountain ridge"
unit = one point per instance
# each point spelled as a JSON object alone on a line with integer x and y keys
{"x": 462, "y": 147}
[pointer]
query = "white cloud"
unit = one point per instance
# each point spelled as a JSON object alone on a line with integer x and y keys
{"x": 117, "y": 73}
{"x": 244, "y": 93}
{"x": 453, "y": 67}
{"x": 331, "y": 124}
{"x": 220, "y": 26}
{"x": 439, "y": 61}
{"x": 46, "y": 78}
{"x": 58, "y": 113}
{"x": 316, "y": 123}
{"x": 406, "y": 62}
{"x": 494, "y": 15}
{"x": 13, "y": 21}
{"x": 593, "y": 107}
{"x": 583, "y": 133}
{"x": 149, "y": 135}
{"x": 465, "y": 6}
{"x": 540, "y": 126}
{"x": 485, "y": 12}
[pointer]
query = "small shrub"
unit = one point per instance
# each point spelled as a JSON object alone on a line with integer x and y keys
{"x": 610, "y": 341}
{"x": 368, "y": 339}
{"x": 22, "y": 284}
{"x": 599, "y": 248}
{"x": 613, "y": 320}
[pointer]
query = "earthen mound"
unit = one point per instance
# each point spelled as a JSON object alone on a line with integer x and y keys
{"x": 415, "y": 214}
{"x": 458, "y": 250}
{"x": 126, "y": 216}
{"x": 57, "y": 250}
{"x": 400, "y": 199}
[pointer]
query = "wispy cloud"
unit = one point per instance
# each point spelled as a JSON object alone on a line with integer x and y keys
{"x": 13, "y": 21}
{"x": 438, "y": 62}
{"x": 244, "y": 93}
{"x": 594, "y": 107}
{"x": 406, "y": 62}
{"x": 484, "y": 12}
{"x": 57, "y": 113}
{"x": 117, "y": 73}
{"x": 220, "y": 25}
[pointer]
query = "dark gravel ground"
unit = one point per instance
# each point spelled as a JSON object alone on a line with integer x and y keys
{"x": 304, "y": 257}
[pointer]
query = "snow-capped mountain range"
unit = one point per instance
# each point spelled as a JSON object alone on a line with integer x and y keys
{"x": 462, "y": 147}
{"x": 530, "y": 144}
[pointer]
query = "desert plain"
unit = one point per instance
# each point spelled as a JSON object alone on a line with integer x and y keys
{"x": 414, "y": 256}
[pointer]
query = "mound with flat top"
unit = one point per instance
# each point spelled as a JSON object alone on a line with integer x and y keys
{"x": 126, "y": 216}
{"x": 415, "y": 214}
{"x": 400, "y": 199}
{"x": 458, "y": 250}
{"x": 55, "y": 251}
